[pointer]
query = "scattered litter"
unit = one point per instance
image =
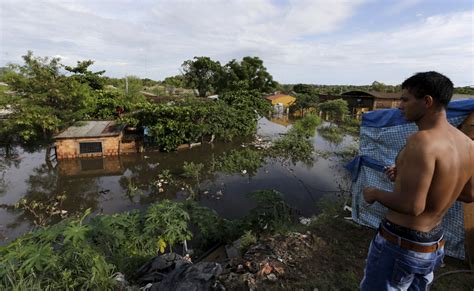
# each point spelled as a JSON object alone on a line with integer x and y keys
{"x": 305, "y": 221}
{"x": 272, "y": 277}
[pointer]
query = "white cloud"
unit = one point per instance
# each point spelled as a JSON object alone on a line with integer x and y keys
{"x": 299, "y": 41}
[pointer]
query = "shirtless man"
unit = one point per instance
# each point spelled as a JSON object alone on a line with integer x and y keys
{"x": 432, "y": 171}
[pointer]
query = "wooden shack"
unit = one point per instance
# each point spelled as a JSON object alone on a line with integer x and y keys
{"x": 361, "y": 101}
{"x": 87, "y": 139}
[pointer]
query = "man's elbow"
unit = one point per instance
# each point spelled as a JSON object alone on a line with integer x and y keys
{"x": 415, "y": 210}
{"x": 466, "y": 198}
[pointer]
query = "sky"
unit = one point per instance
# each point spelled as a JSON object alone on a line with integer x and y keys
{"x": 307, "y": 41}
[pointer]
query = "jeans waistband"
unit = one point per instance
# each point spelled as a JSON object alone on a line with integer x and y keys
{"x": 432, "y": 236}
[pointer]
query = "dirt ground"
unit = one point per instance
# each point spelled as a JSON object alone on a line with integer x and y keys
{"x": 329, "y": 254}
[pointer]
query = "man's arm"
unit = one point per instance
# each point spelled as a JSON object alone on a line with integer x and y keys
{"x": 413, "y": 180}
{"x": 467, "y": 193}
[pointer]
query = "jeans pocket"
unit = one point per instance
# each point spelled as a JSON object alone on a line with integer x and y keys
{"x": 404, "y": 271}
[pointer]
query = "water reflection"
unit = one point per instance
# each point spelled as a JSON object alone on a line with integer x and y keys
{"x": 230, "y": 171}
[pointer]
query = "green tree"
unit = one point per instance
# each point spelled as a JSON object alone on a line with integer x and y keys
{"x": 84, "y": 76}
{"x": 249, "y": 74}
{"x": 46, "y": 100}
{"x": 149, "y": 82}
{"x": 201, "y": 73}
{"x": 177, "y": 81}
{"x": 304, "y": 101}
{"x": 337, "y": 108}
{"x": 304, "y": 89}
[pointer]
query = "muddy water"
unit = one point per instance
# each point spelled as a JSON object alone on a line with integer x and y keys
{"x": 102, "y": 184}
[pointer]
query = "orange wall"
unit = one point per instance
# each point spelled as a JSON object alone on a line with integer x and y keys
{"x": 285, "y": 100}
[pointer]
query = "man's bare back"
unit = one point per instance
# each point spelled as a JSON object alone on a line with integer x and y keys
{"x": 445, "y": 154}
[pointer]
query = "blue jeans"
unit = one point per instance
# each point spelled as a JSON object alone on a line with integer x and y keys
{"x": 389, "y": 267}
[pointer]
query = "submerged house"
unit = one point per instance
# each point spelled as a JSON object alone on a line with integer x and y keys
{"x": 87, "y": 139}
{"x": 361, "y": 101}
{"x": 280, "y": 102}
{"x": 283, "y": 99}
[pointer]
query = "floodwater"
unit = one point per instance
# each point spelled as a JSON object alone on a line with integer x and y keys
{"x": 102, "y": 184}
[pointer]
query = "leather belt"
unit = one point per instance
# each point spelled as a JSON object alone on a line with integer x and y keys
{"x": 409, "y": 245}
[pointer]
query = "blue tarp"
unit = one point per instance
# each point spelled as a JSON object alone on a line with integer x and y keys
{"x": 383, "y": 134}
{"x": 391, "y": 117}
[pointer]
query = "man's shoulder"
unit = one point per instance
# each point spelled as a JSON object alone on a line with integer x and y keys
{"x": 423, "y": 138}
{"x": 421, "y": 144}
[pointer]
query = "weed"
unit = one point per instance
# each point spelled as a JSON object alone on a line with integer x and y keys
{"x": 247, "y": 240}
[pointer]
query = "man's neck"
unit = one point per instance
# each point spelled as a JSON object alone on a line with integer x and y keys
{"x": 432, "y": 119}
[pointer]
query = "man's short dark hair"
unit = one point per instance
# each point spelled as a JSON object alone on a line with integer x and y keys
{"x": 430, "y": 83}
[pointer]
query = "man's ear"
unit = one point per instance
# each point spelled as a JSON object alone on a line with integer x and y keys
{"x": 429, "y": 101}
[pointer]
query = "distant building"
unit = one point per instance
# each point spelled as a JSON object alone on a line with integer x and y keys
{"x": 95, "y": 139}
{"x": 285, "y": 100}
{"x": 361, "y": 101}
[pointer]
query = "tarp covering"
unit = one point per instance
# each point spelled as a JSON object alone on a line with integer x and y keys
{"x": 383, "y": 134}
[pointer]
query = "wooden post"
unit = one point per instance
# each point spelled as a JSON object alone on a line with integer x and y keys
{"x": 468, "y": 128}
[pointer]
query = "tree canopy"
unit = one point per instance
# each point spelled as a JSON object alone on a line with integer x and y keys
{"x": 208, "y": 76}
{"x": 201, "y": 73}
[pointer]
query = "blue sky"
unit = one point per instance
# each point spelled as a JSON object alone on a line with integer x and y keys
{"x": 305, "y": 41}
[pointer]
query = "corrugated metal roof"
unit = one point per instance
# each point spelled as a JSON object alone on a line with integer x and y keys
{"x": 84, "y": 129}
{"x": 376, "y": 94}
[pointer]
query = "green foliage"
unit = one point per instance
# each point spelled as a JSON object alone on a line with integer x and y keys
{"x": 79, "y": 254}
{"x": 193, "y": 119}
{"x": 248, "y": 74}
{"x": 102, "y": 105}
{"x": 57, "y": 257}
{"x": 271, "y": 214}
{"x": 464, "y": 90}
{"x": 304, "y": 101}
{"x": 84, "y": 76}
{"x": 168, "y": 221}
{"x": 149, "y": 82}
{"x": 193, "y": 171}
{"x": 248, "y": 100}
{"x": 132, "y": 189}
{"x": 201, "y": 73}
{"x": 209, "y": 76}
{"x": 210, "y": 227}
{"x": 44, "y": 211}
{"x": 337, "y": 109}
{"x": 304, "y": 89}
{"x": 332, "y": 133}
{"x": 247, "y": 240}
{"x": 246, "y": 160}
{"x": 296, "y": 145}
{"x": 177, "y": 81}
{"x": 47, "y": 99}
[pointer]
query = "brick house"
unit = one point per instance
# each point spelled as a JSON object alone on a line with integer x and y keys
{"x": 88, "y": 139}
